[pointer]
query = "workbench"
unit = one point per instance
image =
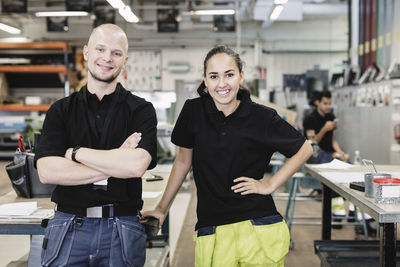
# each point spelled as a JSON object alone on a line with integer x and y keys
{"x": 25, "y": 226}
{"x": 387, "y": 215}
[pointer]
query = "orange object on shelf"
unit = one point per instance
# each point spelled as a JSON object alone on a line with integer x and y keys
{"x": 16, "y": 107}
{"x": 39, "y": 45}
{"x": 33, "y": 68}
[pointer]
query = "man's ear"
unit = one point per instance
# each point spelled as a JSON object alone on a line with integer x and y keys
{"x": 85, "y": 52}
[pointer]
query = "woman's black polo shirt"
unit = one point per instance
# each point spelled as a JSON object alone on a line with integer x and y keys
{"x": 225, "y": 148}
{"x": 78, "y": 120}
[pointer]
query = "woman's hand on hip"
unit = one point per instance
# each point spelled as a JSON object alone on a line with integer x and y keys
{"x": 248, "y": 185}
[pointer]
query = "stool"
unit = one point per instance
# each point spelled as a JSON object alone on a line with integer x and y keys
{"x": 312, "y": 183}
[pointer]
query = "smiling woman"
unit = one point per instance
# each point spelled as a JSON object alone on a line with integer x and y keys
{"x": 229, "y": 141}
{"x": 223, "y": 77}
{"x": 223, "y": 80}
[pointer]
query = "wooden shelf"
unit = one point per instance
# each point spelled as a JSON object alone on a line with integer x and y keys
{"x": 42, "y": 45}
{"x": 16, "y": 107}
{"x": 33, "y": 68}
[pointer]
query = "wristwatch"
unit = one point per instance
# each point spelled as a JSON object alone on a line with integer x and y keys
{"x": 74, "y": 150}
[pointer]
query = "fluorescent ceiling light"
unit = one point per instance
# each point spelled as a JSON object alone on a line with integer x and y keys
{"x": 15, "y": 40}
{"x": 276, "y": 12}
{"x": 62, "y": 14}
{"x": 124, "y": 10}
{"x": 128, "y": 15}
{"x": 215, "y": 12}
{"x": 116, "y": 3}
{"x": 280, "y": 2}
{"x": 9, "y": 29}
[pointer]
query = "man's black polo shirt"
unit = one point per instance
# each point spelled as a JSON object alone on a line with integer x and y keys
{"x": 82, "y": 120}
{"x": 315, "y": 122}
{"x": 225, "y": 148}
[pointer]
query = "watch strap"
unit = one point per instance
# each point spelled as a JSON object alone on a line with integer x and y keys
{"x": 74, "y": 151}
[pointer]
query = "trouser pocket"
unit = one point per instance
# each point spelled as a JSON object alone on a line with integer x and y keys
{"x": 130, "y": 235}
{"x": 205, "y": 243}
{"x": 273, "y": 237}
{"x": 58, "y": 240}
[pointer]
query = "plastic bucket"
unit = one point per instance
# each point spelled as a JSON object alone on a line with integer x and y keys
{"x": 387, "y": 190}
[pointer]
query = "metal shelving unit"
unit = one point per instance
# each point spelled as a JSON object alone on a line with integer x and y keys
{"x": 46, "y": 47}
{"x": 54, "y": 56}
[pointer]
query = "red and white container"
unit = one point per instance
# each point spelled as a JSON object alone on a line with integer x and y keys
{"x": 387, "y": 190}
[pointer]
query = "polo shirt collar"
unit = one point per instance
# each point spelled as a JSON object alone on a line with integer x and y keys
{"x": 242, "y": 111}
{"x": 119, "y": 92}
{"x": 316, "y": 113}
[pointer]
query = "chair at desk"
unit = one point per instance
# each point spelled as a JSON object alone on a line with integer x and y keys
{"x": 308, "y": 182}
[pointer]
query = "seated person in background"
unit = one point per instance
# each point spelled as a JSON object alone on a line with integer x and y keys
{"x": 320, "y": 126}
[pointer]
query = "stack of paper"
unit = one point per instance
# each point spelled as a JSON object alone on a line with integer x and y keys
{"x": 334, "y": 165}
{"x": 24, "y": 210}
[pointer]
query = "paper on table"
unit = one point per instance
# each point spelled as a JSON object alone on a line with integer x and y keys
{"x": 18, "y": 208}
{"x": 37, "y": 214}
{"x": 150, "y": 194}
{"x": 347, "y": 177}
{"x": 335, "y": 164}
{"x": 344, "y": 177}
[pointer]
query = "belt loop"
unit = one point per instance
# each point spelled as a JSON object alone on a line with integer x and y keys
{"x": 111, "y": 209}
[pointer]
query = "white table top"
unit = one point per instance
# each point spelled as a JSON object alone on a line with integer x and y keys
{"x": 383, "y": 213}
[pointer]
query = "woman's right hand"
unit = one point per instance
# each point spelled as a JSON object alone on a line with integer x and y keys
{"x": 155, "y": 213}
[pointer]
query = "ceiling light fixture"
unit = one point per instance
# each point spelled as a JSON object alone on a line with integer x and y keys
{"x": 9, "y": 29}
{"x": 276, "y": 12}
{"x": 116, "y": 3}
{"x": 62, "y": 14}
{"x": 128, "y": 15}
{"x": 16, "y": 40}
{"x": 124, "y": 10}
{"x": 280, "y": 2}
{"x": 214, "y": 12}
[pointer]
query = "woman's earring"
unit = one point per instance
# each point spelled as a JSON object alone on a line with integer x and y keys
{"x": 205, "y": 90}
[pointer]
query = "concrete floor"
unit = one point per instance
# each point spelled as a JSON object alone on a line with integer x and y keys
{"x": 14, "y": 249}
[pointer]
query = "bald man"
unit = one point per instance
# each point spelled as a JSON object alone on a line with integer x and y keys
{"x": 95, "y": 146}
